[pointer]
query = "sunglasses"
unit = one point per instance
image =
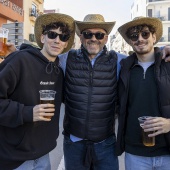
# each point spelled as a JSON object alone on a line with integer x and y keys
{"x": 53, "y": 35}
{"x": 89, "y": 35}
{"x": 135, "y": 36}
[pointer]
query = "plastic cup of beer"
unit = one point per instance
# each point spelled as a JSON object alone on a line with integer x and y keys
{"x": 147, "y": 141}
{"x": 3, "y": 41}
{"x": 47, "y": 96}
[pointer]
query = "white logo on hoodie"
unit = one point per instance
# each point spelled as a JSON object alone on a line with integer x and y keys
{"x": 47, "y": 83}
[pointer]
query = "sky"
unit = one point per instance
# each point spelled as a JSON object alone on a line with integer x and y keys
{"x": 112, "y": 10}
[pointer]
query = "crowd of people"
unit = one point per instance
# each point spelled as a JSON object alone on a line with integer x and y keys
{"x": 95, "y": 85}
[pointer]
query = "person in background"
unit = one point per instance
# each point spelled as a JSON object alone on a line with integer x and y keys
{"x": 26, "y": 135}
{"x": 143, "y": 90}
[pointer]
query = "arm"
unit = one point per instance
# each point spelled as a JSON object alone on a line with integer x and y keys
{"x": 166, "y": 53}
{"x": 10, "y": 48}
{"x": 119, "y": 58}
{"x": 14, "y": 113}
{"x": 63, "y": 60}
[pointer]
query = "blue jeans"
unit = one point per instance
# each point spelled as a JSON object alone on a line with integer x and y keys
{"x": 134, "y": 162}
{"x": 102, "y": 155}
{"x": 42, "y": 163}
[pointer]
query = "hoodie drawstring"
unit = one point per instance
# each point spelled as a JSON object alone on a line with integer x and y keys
{"x": 50, "y": 66}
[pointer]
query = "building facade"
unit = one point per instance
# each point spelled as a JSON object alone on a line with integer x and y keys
{"x": 32, "y": 9}
{"x": 147, "y": 8}
{"x": 10, "y": 11}
{"x": 154, "y": 8}
{"x": 19, "y": 17}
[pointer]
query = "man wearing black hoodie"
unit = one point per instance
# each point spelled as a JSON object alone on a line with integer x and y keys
{"x": 26, "y": 136}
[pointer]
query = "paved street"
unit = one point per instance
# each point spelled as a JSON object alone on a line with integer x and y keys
{"x": 56, "y": 156}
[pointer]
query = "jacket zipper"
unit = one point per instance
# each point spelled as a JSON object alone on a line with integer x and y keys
{"x": 89, "y": 99}
{"x": 144, "y": 73}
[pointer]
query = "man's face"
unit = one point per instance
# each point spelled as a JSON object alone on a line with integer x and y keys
{"x": 94, "y": 42}
{"x": 52, "y": 46}
{"x": 142, "y": 41}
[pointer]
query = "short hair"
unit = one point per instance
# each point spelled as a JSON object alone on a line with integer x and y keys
{"x": 55, "y": 25}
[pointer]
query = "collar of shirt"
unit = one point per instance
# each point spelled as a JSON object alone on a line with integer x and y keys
{"x": 94, "y": 59}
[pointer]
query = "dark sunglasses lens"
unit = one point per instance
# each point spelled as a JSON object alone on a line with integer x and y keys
{"x": 52, "y": 35}
{"x": 64, "y": 37}
{"x": 99, "y": 36}
{"x": 145, "y": 35}
{"x": 87, "y": 35}
{"x": 134, "y": 37}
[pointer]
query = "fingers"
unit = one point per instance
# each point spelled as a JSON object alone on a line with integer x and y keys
{"x": 157, "y": 126}
{"x": 43, "y": 112}
{"x": 167, "y": 59}
{"x": 10, "y": 48}
{"x": 163, "y": 54}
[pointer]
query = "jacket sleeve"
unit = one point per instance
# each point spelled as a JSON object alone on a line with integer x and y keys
{"x": 12, "y": 113}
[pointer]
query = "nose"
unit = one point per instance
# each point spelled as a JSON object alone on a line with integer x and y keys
{"x": 140, "y": 37}
{"x": 57, "y": 39}
{"x": 93, "y": 37}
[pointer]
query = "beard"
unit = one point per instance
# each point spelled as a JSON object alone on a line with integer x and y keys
{"x": 93, "y": 47}
{"x": 141, "y": 50}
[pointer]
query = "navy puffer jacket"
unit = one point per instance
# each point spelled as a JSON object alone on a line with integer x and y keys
{"x": 90, "y": 95}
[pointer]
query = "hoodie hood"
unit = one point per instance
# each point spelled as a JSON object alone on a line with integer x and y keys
{"x": 37, "y": 53}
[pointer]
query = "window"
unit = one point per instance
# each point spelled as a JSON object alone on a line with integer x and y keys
{"x": 34, "y": 10}
{"x": 149, "y": 12}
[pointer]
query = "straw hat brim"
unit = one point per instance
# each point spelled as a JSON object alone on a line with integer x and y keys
{"x": 46, "y": 19}
{"x": 107, "y": 26}
{"x": 155, "y": 22}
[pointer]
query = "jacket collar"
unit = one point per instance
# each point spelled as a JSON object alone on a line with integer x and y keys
{"x": 132, "y": 60}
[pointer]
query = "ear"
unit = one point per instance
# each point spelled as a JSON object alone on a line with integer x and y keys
{"x": 154, "y": 38}
{"x": 81, "y": 37}
{"x": 42, "y": 38}
{"x": 106, "y": 38}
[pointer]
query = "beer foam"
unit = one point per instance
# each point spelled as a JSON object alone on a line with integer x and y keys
{"x": 49, "y": 98}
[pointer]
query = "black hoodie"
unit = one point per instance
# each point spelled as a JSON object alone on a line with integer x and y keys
{"x": 22, "y": 75}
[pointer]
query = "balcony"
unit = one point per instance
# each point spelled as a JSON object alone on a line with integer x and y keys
{"x": 31, "y": 37}
{"x": 162, "y": 18}
{"x": 155, "y": 0}
{"x": 40, "y": 1}
{"x": 34, "y": 14}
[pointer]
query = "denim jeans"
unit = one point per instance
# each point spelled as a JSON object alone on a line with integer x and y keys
{"x": 134, "y": 162}
{"x": 103, "y": 157}
{"x": 42, "y": 163}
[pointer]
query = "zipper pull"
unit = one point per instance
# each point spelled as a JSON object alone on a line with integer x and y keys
{"x": 144, "y": 74}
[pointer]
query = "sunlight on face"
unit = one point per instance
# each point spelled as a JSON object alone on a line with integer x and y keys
{"x": 52, "y": 47}
{"x": 93, "y": 45}
{"x": 144, "y": 45}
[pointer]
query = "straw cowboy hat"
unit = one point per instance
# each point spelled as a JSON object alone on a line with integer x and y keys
{"x": 46, "y": 19}
{"x": 155, "y": 22}
{"x": 94, "y": 21}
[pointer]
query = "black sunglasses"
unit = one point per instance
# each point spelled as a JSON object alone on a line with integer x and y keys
{"x": 89, "y": 35}
{"x": 134, "y": 36}
{"x": 53, "y": 35}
